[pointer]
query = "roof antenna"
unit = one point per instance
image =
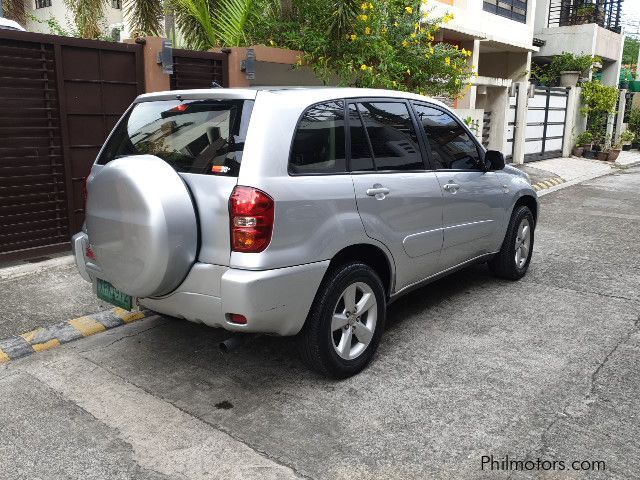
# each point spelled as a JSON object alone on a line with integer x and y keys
{"x": 216, "y": 85}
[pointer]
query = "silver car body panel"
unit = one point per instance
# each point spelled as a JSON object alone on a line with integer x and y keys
{"x": 423, "y": 229}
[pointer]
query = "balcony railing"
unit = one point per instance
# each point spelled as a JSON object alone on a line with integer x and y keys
{"x": 606, "y": 13}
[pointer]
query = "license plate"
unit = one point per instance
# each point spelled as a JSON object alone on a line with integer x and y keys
{"x": 111, "y": 294}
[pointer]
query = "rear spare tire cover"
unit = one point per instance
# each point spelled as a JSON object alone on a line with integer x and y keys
{"x": 142, "y": 225}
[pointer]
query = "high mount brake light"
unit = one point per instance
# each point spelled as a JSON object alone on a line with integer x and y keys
{"x": 251, "y": 213}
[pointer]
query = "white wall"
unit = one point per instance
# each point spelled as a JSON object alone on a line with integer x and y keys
{"x": 469, "y": 18}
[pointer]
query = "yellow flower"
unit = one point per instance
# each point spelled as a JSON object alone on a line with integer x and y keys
{"x": 370, "y": 6}
{"x": 272, "y": 43}
{"x": 385, "y": 30}
{"x": 465, "y": 52}
{"x": 431, "y": 50}
{"x": 394, "y": 83}
{"x": 447, "y": 60}
{"x": 424, "y": 2}
{"x": 413, "y": 35}
{"x": 367, "y": 31}
{"x": 447, "y": 18}
{"x": 408, "y": 72}
{"x": 409, "y": 9}
{"x": 363, "y": 67}
{"x": 353, "y": 36}
{"x": 395, "y": 24}
{"x": 363, "y": 17}
{"x": 405, "y": 43}
{"x": 364, "y": 6}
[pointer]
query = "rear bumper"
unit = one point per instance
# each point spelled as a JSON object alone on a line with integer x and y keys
{"x": 273, "y": 301}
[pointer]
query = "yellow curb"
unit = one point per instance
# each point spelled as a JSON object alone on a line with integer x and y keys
{"x": 87, "y": 326}
{"x": 29, "y": 336}
{"x": 126, "y": 316}
{"x": 4, "y": 357}
{"x": 39, "y": 347}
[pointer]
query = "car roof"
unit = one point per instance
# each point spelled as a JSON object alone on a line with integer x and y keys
{"x": 10, "y": 24}
{"x": 306, "y": 95}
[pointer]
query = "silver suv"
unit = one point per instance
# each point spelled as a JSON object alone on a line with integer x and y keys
{"x": 296, "y": 211}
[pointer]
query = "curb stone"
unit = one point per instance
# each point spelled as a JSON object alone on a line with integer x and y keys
{"x": 52, "y": 336}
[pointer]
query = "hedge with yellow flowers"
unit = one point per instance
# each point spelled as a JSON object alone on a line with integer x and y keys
{"x": 379, "y": 44}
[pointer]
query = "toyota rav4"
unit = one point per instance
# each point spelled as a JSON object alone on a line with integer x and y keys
{"x": 296, "y": 211}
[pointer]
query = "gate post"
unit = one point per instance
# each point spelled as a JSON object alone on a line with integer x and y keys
{"x": 521, "y": 123}
{"x": 622, "y": 105}
{"x": 155, "y": 80}
{"x": 570, "y": 121}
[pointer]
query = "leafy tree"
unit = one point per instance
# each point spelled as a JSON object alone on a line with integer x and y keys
{"x": 630, "y": 52}
{"x": 382, "y": 44}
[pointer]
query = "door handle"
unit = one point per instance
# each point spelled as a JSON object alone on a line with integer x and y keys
{"x": 451, "y": 187}
{"x": 378, "y": 191}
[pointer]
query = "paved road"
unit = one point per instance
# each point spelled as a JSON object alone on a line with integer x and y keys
{"x": 548, "y": 367}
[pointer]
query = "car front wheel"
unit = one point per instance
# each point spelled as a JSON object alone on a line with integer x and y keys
{"x": 512, "y": 261}
{"x": 346, "y": 321}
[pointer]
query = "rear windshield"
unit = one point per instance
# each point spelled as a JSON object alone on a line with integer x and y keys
{"x": 193, "y": 136}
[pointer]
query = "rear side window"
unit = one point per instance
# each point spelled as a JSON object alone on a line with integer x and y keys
{"x": 450, "y": 145}
{"x": 193, "y": 136}
{"x": 318, "y": 143}
{"x": 392, "y": 135}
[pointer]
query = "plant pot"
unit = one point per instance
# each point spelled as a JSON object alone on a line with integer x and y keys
{"x": 626, "y": 147}
{"x": 577, "y": 151}
{"x": 569, "y": 78}
{"x": 613, "y": 155}
{"x": 603, "y": 156}
{"x": 590, "y": 154}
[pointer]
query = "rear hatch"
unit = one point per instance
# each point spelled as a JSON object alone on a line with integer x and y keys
{"x": 158, "y": 194}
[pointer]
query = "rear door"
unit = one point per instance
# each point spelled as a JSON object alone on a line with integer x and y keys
{"x": 473, "y": 198}
{"x": 398, "y": 198}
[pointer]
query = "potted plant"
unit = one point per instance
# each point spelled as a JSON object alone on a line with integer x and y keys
{"x": 583, "y": 14}
{"x": 568, "y": 68}
{"x": 626, "y": 138}
{"x": 583, "y": 142}
{"x": 614, "y": 152}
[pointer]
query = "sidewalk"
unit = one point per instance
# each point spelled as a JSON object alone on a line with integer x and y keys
{"x": 556, "y": 173}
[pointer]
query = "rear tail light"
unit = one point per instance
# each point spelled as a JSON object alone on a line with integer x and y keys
{"x": 237, "y": 318}
{"x": 251, "y": 213}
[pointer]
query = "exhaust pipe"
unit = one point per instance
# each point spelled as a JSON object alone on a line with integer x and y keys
{"x": 234, "y": 342}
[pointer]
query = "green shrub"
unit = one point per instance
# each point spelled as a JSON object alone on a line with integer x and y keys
{"x": 585, "y": 138}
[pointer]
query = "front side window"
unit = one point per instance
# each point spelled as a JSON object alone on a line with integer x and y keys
{"x": 318, "y": 143}
{"x": 450, "y": 145}
{"x": 193, "y": 136}
{"x": 392, "y": 136}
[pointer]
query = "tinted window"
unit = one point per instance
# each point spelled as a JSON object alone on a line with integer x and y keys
{"x": 360, "y": 152}
{"x": 393, "y": 138}
{"x": 449, "y": 143}
{"x": 192, "y": 136}
{"x": 318, "y": 144}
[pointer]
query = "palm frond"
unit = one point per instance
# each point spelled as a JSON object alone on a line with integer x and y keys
{"x": 145, "y": 16}
{"x": 343, "y": 17}
{"x": 88, "y": 15}
{"x": 15, "y": 10}
{"x": 230, "y": 21}
{"x": 187, "y": 14}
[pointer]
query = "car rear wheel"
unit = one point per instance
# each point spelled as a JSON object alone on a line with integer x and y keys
{"x": 512, "y": 261}
{"x": 346, "y": 321}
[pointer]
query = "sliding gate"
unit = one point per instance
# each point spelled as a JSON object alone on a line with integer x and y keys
{"x": 546, "y": 119}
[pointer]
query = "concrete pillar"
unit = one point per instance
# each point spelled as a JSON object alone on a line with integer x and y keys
{"x": 573, "y": 105}
{"x": 498, "y": 104}
{"x": 469, "y": 99}
{"x": 609, "y": 134}
{"x": 155, "y": 80}
{"x": 622, "y": 103}
{"x": 521, "y": 123}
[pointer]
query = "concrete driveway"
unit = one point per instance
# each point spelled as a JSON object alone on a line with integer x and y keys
{"x": 545, "y": 369}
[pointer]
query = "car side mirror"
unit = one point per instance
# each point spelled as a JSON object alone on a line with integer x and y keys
{"x": 494, "y": 160}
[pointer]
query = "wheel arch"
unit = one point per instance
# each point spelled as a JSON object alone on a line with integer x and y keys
{"x": 372, "y": 255}
{"x": 528, "y": 201}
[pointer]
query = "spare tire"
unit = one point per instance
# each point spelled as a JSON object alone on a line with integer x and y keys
{"x": 142, "y": 225}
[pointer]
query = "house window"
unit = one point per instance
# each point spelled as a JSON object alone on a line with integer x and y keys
{"x": 116, "y": 4}
{"x": 43, "y": 3}
{"x": 513, "y": 9}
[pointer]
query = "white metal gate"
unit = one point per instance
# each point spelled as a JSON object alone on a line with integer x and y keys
{"x": 546, "y": 119}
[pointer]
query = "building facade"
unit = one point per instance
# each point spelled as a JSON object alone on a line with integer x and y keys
{"x": 40, "y": 11}
{"x": 582, "y": 27}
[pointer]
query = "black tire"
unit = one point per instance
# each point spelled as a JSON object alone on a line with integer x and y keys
{"x": 503, "y": 264}
{"x": 316, "y": 340}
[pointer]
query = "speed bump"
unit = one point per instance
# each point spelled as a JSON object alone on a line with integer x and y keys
{"x": 52, "y": 336}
